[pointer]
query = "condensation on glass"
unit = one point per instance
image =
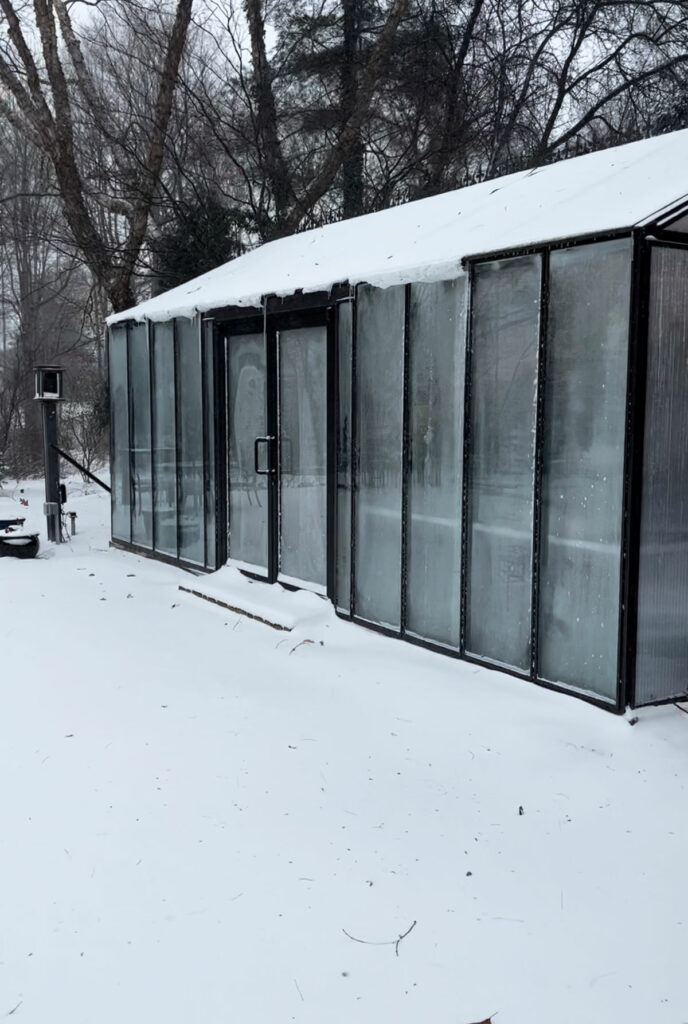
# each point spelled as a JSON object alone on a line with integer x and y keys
{"x": 119, "y": 426}
{"x": 583, "y": 458}
{"x": 190, "y": 437}
{"x": 210, "y": 479}
{"x": 343, "y": 536}
{"x": 500, "y": 484}
{"x": 379, "y": 391}
{"x": 662, "y": 639}
{"x": 303, "y": 455}
{"x": 164, "y": 441}
{"x": 140, "y": 437}
{"x": 437, "y": 327}
{"x": 247, "y": 415}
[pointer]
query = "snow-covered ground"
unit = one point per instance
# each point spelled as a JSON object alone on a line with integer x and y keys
{"x": 195, "y": 811}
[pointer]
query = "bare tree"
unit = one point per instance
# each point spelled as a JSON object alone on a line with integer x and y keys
{"x": 50, "y": 90}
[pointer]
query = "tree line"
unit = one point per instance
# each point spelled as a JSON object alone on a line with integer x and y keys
{"x": 142, "y": 142}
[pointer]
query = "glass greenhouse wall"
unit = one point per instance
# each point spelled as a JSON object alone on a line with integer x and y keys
{"x": 162, "y": 445}
{"x": 488, "y": 485}
{"x": 461, "y": 463}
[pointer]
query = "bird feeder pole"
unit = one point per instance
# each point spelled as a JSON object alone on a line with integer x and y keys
{"x": 49, "y": 393}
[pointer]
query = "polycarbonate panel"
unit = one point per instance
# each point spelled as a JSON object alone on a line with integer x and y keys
{"x": 140, "y": 430}
{"x": 164, "y": 441}
{"x": 437, "y": 349}
{"x": 248, "y": 490}
{"x": 680, "y": 225}
{"x": 119, "y": 426}
{"x": 210, "y": 507}
{"x": 662, "y": 651}
{"x": 504, "y": 362}
{"x": 379, "y": 396}
{"x": 303, "y": 454}
{"x": 343, "y": 540}
{"x": 190, "y": 431}
{"x": 583, "y": 459}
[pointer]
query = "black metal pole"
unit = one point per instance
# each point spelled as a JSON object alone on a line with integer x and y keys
{"x": 52, "y": 471}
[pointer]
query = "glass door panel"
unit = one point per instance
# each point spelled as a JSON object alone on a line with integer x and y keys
{"x": 302, "y": 448}
{"x": 247, "y": 421}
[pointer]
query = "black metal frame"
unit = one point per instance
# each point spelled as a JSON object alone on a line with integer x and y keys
{"x": 633, "y": 468}
{"x": 531, "y": 673}
{"x": 405, "y": 464}
{"x": 617, "y": 705}
{"x": 355, "y": 461}
{"x": 399, "y": 633}
{"x": 226, "y": 327}
{"x": 334, "y": 377}
{"x": 284, "y": 316}
{"x": 539, "y": 464}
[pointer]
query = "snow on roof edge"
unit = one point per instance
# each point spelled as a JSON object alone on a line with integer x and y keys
{"x": 598, "y": 193}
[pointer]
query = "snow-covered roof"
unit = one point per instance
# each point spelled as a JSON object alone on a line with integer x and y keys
{"x": 426, "y": 240}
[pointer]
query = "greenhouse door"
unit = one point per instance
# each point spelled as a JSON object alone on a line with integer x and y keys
{"x": 277, "y": 424}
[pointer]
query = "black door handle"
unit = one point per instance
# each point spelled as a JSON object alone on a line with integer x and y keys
{"x": 270, "y": 469}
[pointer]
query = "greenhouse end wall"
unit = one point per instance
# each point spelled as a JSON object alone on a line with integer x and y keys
{"x": 162, "y": 441}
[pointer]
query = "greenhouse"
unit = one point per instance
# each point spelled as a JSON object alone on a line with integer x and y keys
{"x": 463, "y": 421}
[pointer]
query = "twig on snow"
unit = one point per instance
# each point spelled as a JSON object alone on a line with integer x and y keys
{"x": 389, "y": 942}
{"x": 300, "y": 644}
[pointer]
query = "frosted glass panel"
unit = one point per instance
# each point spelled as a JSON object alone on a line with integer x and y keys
{"x": 140, "y": 427}
{"x": 303, "y": 454}
{"x": 210, "y": 510}
{"x": 582, "y": 484}
{"x": 119, "y": 426}
{"x": 164, "y": 441}
{"x": 248, "y": 491}
{"x": 190, "y": 455}
{"x": 343, "y": 572}
{"x": 662, "y": 652}
{"x": 506, "y": 296}
{"x": 379, "y": 390}
{"x": 436, "y": 380}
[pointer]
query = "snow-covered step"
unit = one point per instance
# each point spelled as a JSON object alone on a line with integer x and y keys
{"x": 270, "y": 604}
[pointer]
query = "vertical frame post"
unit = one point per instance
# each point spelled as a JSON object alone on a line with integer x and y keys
{"x": 331, "y": 404}
{"x": 130, "y": 422}
{"x": 204, "y": 426}
{"x": 111, "y": 433}
{"x": 539, "y": 462}
{"x": 220, "y": 413}
{"x": 151, "y": 406}
{"x": 405, "y": 463}
{"x": 271, "y": 340}
{"x": 465, "y": 475}
{"x": 634, "y": 440}
{"x": 177, "y": 398}
{"x": 354, "y": 444}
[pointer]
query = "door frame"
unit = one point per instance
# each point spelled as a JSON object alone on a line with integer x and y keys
{"x": 270, "y": 325}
